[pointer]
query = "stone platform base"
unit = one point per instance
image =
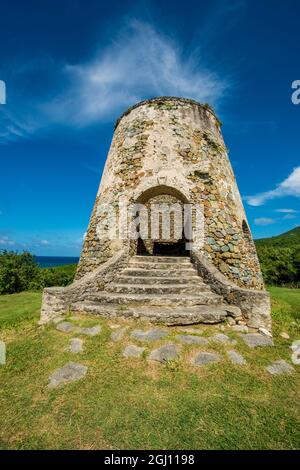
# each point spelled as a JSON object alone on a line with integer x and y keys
{"x": 167, "y": 315}
{"x": 169, "y": 290}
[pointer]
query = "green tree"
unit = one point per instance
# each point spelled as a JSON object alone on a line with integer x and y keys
{"x": 18, "y": 272}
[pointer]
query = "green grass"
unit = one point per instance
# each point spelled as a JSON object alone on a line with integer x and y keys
{"x": 286, "y": 299}
{"x": 16, "y": 309}
{"x": 134, "y": 404}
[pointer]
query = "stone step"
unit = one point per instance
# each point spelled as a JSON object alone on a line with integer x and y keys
{"x": 141, "y": 288}
{"x": 191, "y": 280}
{"x": 159, "y": 272}
{"x": 209, "y": 314}
{"x": 162, "y": 259}
{"x": 160, "y": 266}
{"x": 202, "y": 298}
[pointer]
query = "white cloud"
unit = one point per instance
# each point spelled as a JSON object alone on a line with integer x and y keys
{"x": 286, "y": 211}
{"x": 139, "y": 63}
{"x": 6, "y": 241}
{"x": 289, "y": 187}
{"x": 264, "y": 221}
{"x": 44, "y": 242}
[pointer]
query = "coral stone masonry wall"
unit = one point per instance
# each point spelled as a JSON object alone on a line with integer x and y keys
{"x": 174, "y": 146}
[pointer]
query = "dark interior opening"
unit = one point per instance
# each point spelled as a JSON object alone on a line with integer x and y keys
{"x": 163, "y": 248}
{"x": 141, "y": 249}
{"x": 246, "y": 229}
{"x": 169, "y": 249}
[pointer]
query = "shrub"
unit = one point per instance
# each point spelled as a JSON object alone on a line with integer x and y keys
{"x": 18, "y": 272}
{"x": 279, "y": 265}
{"x": 58, "y": 276}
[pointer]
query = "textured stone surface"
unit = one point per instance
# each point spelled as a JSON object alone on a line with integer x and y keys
{"x": 254, "y": 305}
{"x": 265, "y": 332}
{"x": 296, "y": 345}
{"x": 280, "y": 367}
{"x": 71, "y": 372}
{"x": 170, "y": 149}
{"x": 240, "y": 328}
{"x": 168, "y": 314}
{"x": 192, "y": 339}
{"x": 58, "y": 319}
{"x": 58, "y": 300}
{"x": 65, "y": 326}
{"x": 168, "y": 352}
{"x": 284, "y": 335}
{"x": 76, "y": 345}
{"x": 118, "y": 335}
{"x": 90, "y": 331}
{"x": 179, "y": 142}
{"x": 204, "y": 358}
{"x": 150, "y": 335}
{"x": 254, "y": 340}
{"x": 133, "y": 351}
{"x": 236, "y": 358}
{"x": 220, "y": 338}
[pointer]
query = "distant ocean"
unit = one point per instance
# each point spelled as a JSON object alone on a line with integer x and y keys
{"x": 51, "y": 261}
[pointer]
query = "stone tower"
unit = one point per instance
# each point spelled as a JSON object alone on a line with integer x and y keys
{"x": 167, "y": 152}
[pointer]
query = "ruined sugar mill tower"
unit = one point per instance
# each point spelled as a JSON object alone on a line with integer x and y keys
{"x": 168, "y": 151}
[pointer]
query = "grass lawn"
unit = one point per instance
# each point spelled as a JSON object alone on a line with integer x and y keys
{"x": 135, "y": 404}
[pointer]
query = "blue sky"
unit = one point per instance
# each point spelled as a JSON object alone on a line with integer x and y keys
{"x": 72, "y": 67}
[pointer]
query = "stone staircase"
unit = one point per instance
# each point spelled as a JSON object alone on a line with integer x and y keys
{"x": 159, "y": 288}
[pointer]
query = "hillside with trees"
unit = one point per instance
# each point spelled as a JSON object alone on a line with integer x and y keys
{"x": 280, "y": 258}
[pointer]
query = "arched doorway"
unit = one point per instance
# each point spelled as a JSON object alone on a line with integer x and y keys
{"x": 162, "y": 214}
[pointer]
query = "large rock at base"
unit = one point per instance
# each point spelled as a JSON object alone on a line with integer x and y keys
{"x": 118, "y": 335}
{"x": 68, "y": 373}
{"x": 133, "y": 351}
{"x": 76, "y": 345}
{"x": 236, "y": 358}
{"x": 190, "y": 339}
{"x": 254, "y": 340}
{"x": 90, "y": 331}
{"x": 166, "y": 353}
{"x": 65, "y": 327}
{"x": 220, "y": 338}
{"x": 204, "y": 358}
{"x": 151, "y": 335}
{"x": 280, "y": 367}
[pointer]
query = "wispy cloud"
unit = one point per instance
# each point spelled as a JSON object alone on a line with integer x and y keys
{"x": 287, "y": 211}
{"x": 6, "y": 242}
{"x": 140, "y": 63}
{"x": 289, "y": 187}
{"x": 264, "y": 221}
{"x": 44, "y": 242}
